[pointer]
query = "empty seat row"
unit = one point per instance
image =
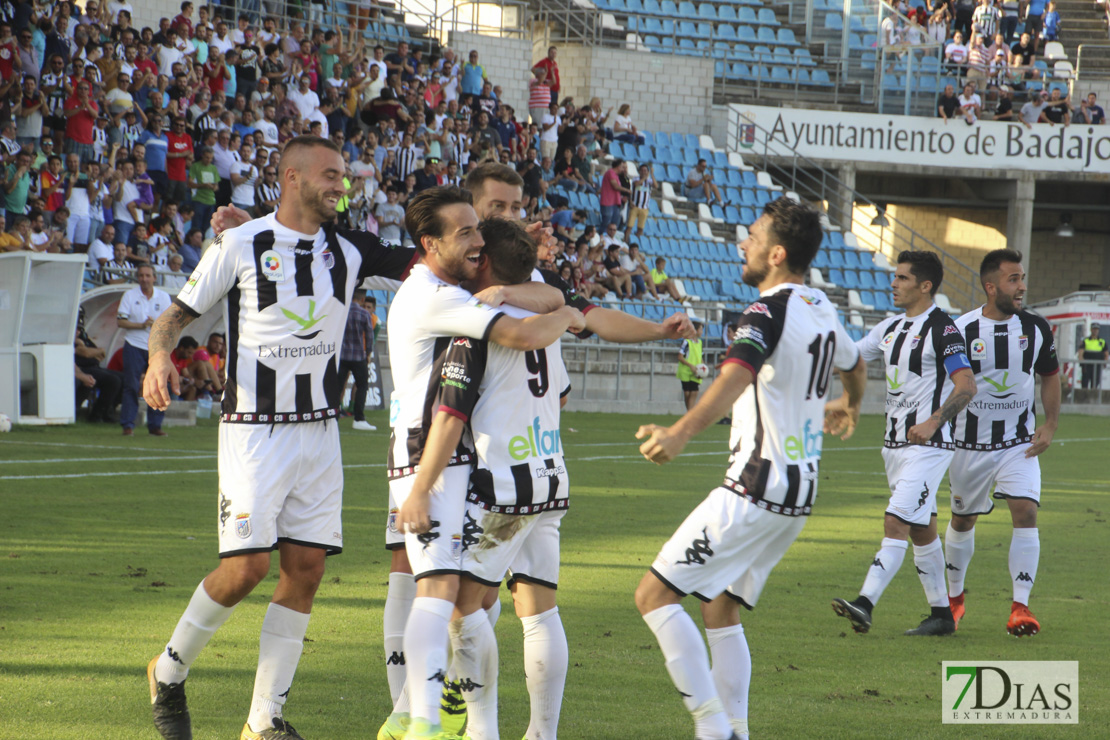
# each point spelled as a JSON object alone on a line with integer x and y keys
{"x": 773, "y": 74}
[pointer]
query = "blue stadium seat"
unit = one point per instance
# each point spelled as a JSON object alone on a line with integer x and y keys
{"x": 803, "y": 57}
{"x": 870, "y": 41}
{"x": 836, "y": 277}
{"x": 687, "y": 47}
{"x": 726, "y": 13}
{"x": 747, "y": 15}
{"x": 718, "y": 212}
{"x": 719, "y": 71}
{"x": 686, "y": 9}
{"x": 767, "y": 17}
{"x": 762, "y": 53}
{"x": 669, "y": 8}
{"x": 746, "y": 34}
{"x": 675, "y": 173}
{"x": 868, "y": 297}
{"x": 686, "y": 28}
{"x": 705, "y": 33}
{"x": 732, "y": 195}
{"x": 743, "y": 53}
{"x": 668, "y": 27}
{"x": 763, "y": 197}
{"x": 747, "y": 215}
{"x": 836, "y": 240}
{"x": 726, "y": 32}
{"x": 732, "y": 215}
{"x": 783, "y": 56}
{"x": 691, "y": 141}
{"x": 707, "y": 11}
{"x": 786, "y": 37}
{"x": 652, "y": 25}
{"x": 766, "y": 35}
{"x": 720, "y": 159}
{"x": 781, "y": 74}
{"x": 834, "y": 22}
{"x": 820, "y": 77}
{"x": 855, "y": 24}
{"x": 733, "y": 178}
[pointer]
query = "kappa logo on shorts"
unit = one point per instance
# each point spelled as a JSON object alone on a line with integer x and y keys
{"x": 225, "y": 509}
{"x": 430, "y": 536}
{"x": 472, "y": 532}
{"x": 243, "y": 526}
{"x": 923, "y": 497}
{"x": 696, "y": 549}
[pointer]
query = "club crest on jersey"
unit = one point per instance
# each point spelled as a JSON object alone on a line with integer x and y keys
{"x": 243, "y": 526}
{"x": 978, "y": 349}
{"x": 915, "y": 341}
{"x": 329, "y": 258}
{"x": 888, "y": 340}
{"x": 1023, "y": 342}
{"x": 273, "y": 267}
{"x": 758, "y": 308}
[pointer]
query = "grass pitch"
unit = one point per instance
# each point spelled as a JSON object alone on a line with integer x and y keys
{"x": 103, "y": 540}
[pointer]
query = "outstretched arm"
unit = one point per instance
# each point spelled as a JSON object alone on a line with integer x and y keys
{"x": 160, "y": 370}
{"x": 618, "y": 326}
{"x": 666, "y": 443}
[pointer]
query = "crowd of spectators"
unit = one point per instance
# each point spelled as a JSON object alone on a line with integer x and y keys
{"x": 120, "y": 142}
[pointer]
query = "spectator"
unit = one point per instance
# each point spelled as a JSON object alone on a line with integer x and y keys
{"x": 1005, "y": 110}
{"x": 948, "y": 104}
{"x": 178, "y": 156}
{"x": 1011, "y": 12}
{"x": 17, "y": 184}
{"x": 358, "y": 343}
{"x": 939, "y": 21}
{"x": 619, "y": 278}
{"x": 564, "y": 221}
{"x": 268, "y": 192}
{"x": 9, "y": 242}
{"x": 699, "y": 184}
{"x": 138, "y": 308}
{"x": 689, "y": 360}
{"x": 473, "y": 75}
{"x": 1058, "y": 109}
{"x": 244, "y": 176}
{"x": 661, "y": 282}
{"x": 203, "y": 177}
{"x": 125, "y": 199}
{"x": 539, "y": 94}
{"x": 106, "y": 384}
{"x": 1034, "y": 110}
{"x": 198, "y": 377}
{"x": 551, "y": 125}
{"x": 640, "y": 199}
{"x": 191, "y": 248}
{"x": 970, "y": 104}
{"x": 1034, "y": 20}
{"x": 551, "y": 72}
{"x": 956, "y": 53}
{"x": 633, "y": 263}
{"x": 119, "y": 270}
{"x": 623, "y": 128}
{"x": 964, "y": 10}
{"x": 978, "y": 60}
{"x": 986, "y": 19}
{"x": 175, "y": 278}
{"x": 390, "y": 217}
{"x": 611, "y": 194}
{"x": 1090, "y": 112}
{"x": 1051, "y": 23}
{"x": 100, "y": 252}
{"x": 1024, "y": 54}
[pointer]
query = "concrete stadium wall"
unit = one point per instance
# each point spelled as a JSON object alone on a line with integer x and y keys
{"x": 507, "y": 63}
{"x": 148, "y": 12}
{"x": 667, "y": 93}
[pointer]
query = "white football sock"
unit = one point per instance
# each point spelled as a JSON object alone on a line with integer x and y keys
{"x": 688, "y": 664}
{"x": 1025, "y": 555}
{"x": 398, "y": 603}
{"x": 279, "y": 651}
{"x": 475, "y": 659}
{"x": 545, "y": 670}
{"x": 200, "y": 621}
{"x": 732, "y": 671}
{"x": 494, "y": 613}
{"x": 426, "y": 655}
{"x": 929, "y": 560}
{"x": 958, "y": 549}
{"x": 886, "y": 564}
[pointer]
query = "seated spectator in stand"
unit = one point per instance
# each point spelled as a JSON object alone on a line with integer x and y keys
{"x": 119, "y": 270}
{"x": 8, "y": 242}
{"x": 101, "y": 252}
{"x": 1005, "y": 110}
{"x": 197, "y": 374}
{"x": 564, "y": 221}
{"x": 174, "y": 280}
{"x": 955, "y": 54}
{"x": 191, "y": 249}
{"x": 623, "y": 128}
{"x": 1090, "y": 112}
{"x": 620, "y": 279}
{"x": 584, "y": 286}
{"x": 699, "y": 184}
{"x": 1023, "y": 54}
{"x": 948, "y": 104}
{"x": 971, "y": 105}
{"x": 1058, "y": 109}
{"x": 1034, "y": 110}
{"x": 661, "y": 282}
{"x": 106, "y": 384}
{"x": 633, "y": 263}
{"x": 568, "y": 176}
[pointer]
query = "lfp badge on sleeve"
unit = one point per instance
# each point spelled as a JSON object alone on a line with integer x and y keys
{"x": 1010, "y": 692}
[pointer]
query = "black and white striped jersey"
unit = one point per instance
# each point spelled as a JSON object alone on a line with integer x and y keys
{"x": 287, "y": 295}
{"x": 406, "y": 160}
{"x": 425, "y": 317}
{"x": 511, "y": 402}
{"x": 919, "y": 354}
{"x": 790, "y": 339}
{"x": 1004, "y": 356}
{"x": 641, "y": 193}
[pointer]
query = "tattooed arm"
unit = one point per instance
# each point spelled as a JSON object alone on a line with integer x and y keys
{"x": 963, "y": 391}
{"x": 160, "y": 370}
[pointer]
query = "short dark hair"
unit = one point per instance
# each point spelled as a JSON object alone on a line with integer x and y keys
{"x": 308, "y": 141}
{"x": 924, "y": 266}
{"x": 581, "y": 214}
{"x": 422, "y": 217}
{"x": 187, "y": 342}
{"x": 797, "y": 227}
{"x": 477, "y": 177}
{"x": 993, "y": 260}
{"x": 145, "y": 266}
{"x": 510, "y": 250}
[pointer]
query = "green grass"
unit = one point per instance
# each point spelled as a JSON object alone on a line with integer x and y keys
{"x": 96, "y": 568}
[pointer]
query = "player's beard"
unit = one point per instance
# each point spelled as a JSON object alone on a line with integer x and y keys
{"x": 754, "y": 274}
{"x": 312, "y": 201}
{"x": 1005, "y": 304}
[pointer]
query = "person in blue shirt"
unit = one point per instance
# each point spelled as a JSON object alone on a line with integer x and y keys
{"x": 1051, "y": 23}
{"x": 157, "y": 145}
{"x": 473, "y": 75}
{"x": 1034, "y": 20}
{"x": 564, "y": 221}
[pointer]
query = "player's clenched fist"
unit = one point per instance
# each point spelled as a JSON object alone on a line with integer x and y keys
{"x": 576, "y": 317}
{"x": 160, "y": 373}
{"x": 415, "y": 515}
{"x": 662, "y": 444}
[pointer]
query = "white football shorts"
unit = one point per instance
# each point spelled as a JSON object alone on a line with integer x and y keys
{"x": 1008, "y": 471}
{"x": 914, "y": 473}
{"x": 726, "y": 545}
{"x": 494, "y": 542}
{"x": 280, "y": 483}
{"x": 439, "y": 550}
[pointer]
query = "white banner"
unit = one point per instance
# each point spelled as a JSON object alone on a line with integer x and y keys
{"x": 869, "y": 137}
